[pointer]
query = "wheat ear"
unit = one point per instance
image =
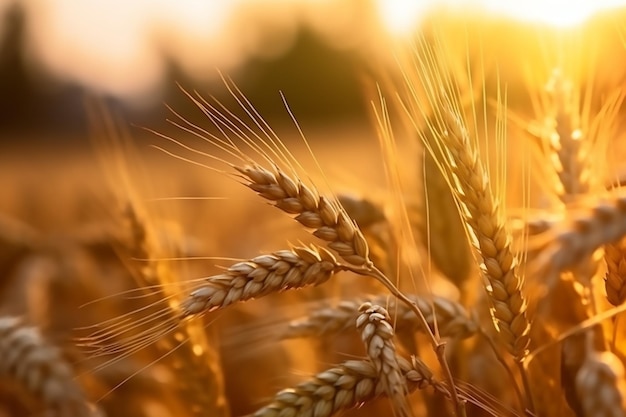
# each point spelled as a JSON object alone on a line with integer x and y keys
{"x": 343, "y": 387}
{"x": 576, "y": 237}
{"x": 451, "y": 317}
{"x": 456, "y": 154}
{"x": 569, "y": 151}
{"x": 329, "y": 220}
{"x": 260, "y": 276}
{"x": 565, "y": 145}
{"x": 484, "y": 217}
{"x": 377, "y": 334}
{"x": 27, "y": 361}
{"x": 615, "y": 280}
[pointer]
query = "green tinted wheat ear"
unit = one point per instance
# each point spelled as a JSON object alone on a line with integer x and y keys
{"x": 34, "y": 366}
{"x": 377, "y": 334}
{"x": 260, "y": 276}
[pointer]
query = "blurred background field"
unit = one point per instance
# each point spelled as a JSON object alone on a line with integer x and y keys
{"x": 320, "y": 53}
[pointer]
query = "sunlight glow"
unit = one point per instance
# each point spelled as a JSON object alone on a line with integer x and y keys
{"x": 126, "y": 48}
{"x": 95, "y": 43}
{"x": 402, "y": 16}
{"x": 559, "y": 13}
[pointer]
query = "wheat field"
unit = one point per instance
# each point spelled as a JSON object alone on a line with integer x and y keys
{"x": 462, "y": 255}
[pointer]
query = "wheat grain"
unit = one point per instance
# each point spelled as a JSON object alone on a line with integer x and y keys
{"x": 328, "y": 219}
{"x": 346, "y": 386}
{"x": 261, "y": 276}
{"x": 377, "y": 334}
{"x": 451, "y": 317}
{"x": 27, "y": 361}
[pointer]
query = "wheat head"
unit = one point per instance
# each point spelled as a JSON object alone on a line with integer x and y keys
{"x": 373, "y": 323}
{"x": 343, "y": 387}
{"x": 35, "y": 366}
{"x": 263, "y": 275}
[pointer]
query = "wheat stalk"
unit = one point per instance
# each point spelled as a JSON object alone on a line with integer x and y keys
{"x": 328, "y": 219}
{"x": 29, "y": 362}
{"x": 343, "y": 387}
{"x": 260, "y": 276}
{"x": 377, "y": 334}
{"x": 451, "y": 317}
